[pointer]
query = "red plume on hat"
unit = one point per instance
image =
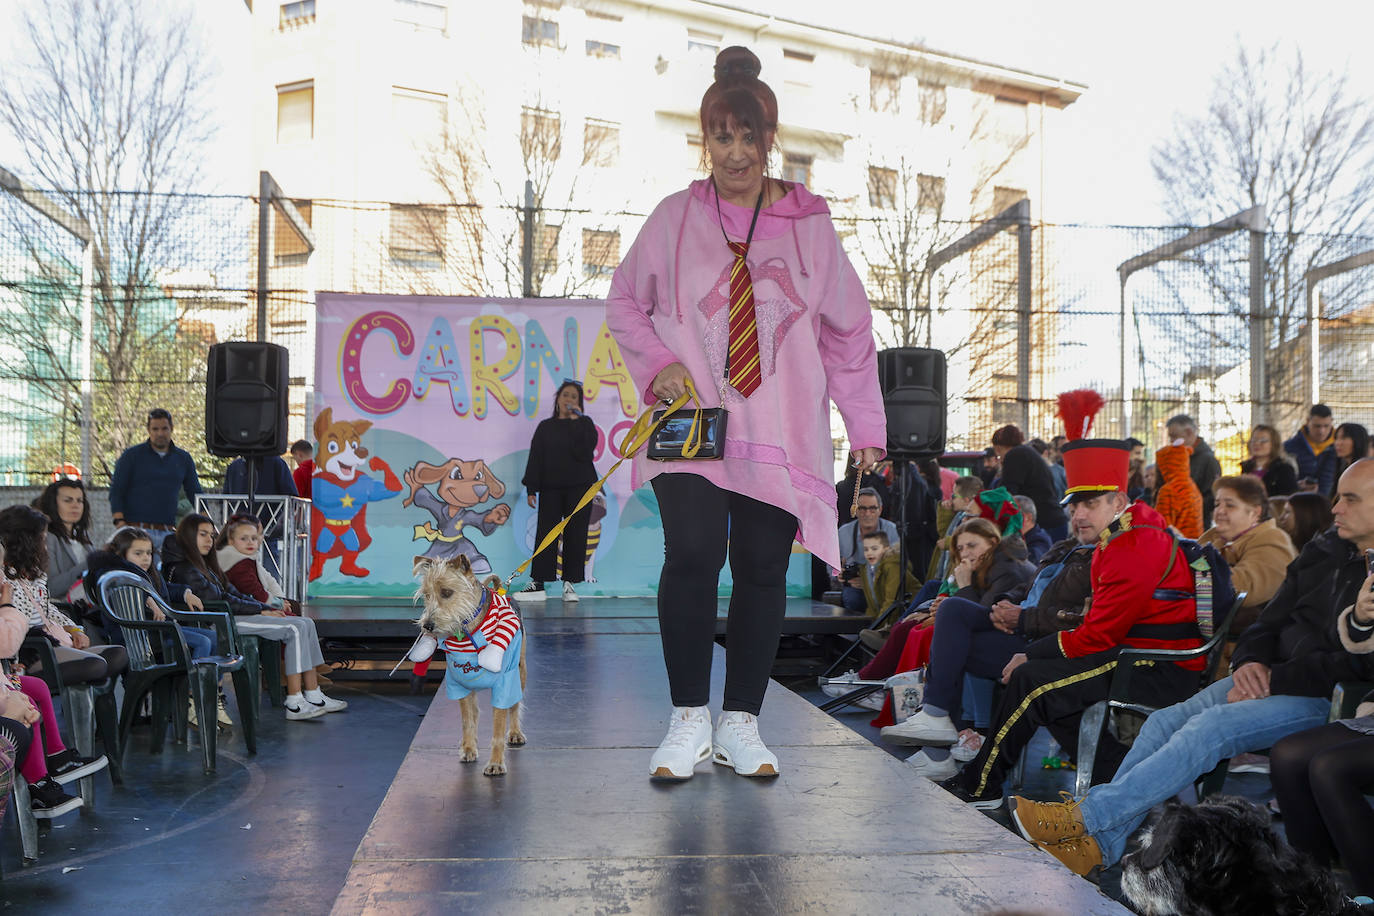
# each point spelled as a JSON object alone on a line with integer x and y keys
{"x": 1077, "y": 409}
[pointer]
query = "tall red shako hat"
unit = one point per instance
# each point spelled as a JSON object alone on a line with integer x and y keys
{"x": 1092, "y": 466}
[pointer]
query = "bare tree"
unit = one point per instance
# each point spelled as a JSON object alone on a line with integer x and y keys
{"x": 1298, "y": 141}
{"x": 109, "y": 112}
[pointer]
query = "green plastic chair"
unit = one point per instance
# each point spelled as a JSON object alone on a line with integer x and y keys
{"x": 266, "y": 655}
{"x": 160, "y": 665}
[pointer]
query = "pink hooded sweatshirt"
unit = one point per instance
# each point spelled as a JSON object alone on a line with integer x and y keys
{"x": 669, "y": 303}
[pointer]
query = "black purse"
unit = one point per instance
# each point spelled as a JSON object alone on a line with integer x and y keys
{"x": 697, "y": 434}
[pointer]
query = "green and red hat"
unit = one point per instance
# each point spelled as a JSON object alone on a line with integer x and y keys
{"x": 1092, "y": 466}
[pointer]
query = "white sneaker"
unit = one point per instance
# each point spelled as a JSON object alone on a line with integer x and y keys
{"x": 969, "y": 744}
{"x": 737, "y": 744}
{"x": 303, "y": 709}
{"x": 934, "y": 770}
{"x": 329, "y": 705}
{"x": 873, "y": 701}
{"x": 569, "y": 593}
{"x": 921, "y": 729}
{"x": 534, "y": 592}
{"x": 687, "y": 743}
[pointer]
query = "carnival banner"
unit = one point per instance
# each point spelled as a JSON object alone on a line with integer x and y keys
{"x": 424, "y": 410}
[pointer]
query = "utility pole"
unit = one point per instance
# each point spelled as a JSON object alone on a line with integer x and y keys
{"x": 527, "y": 243}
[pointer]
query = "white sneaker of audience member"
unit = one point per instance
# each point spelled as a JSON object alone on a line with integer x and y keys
{"x": 934, "y": 770}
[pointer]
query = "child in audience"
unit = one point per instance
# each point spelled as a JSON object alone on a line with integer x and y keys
{"x": 131, "y": 550}
{"x": 239, "y": 551}
{"x": 189, "y": 559}
{"x": 1178, "y": 500}
{"x": 883, "y": 579}
{"x": 46, "y": 763}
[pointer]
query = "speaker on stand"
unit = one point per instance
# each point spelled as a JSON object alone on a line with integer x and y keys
{"x": 912, "y": 380}
{"x": 245, "y": 403}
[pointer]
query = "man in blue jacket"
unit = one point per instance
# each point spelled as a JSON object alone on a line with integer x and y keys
{"x": 1313, "y": 448}
{"x": 147, "y": 478}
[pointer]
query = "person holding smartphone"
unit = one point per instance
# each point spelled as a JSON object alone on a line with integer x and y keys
{"x": 557, "y": 474}
{"x": 739, "y": 289}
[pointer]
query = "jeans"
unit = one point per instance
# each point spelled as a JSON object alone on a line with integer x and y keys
{"x": 965, "y": 642}
{"x": 853, "y": 599}
{"x": 199, "y": 642}
{"x": 1181, "y": 742}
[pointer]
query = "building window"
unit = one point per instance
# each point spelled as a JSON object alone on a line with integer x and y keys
{"x": 1005, "y": 197}
{"x": 882, "y": 188}
{"x": 603, "y": 50}
{"x": 604, "y": 17}
{"x": 541, "y": 135}
{"x": 800, "y": 56}
{"x": 288, "y": 247}
{"x": 545, "y": 254}
{"x": 797, "y": 168}
{"x": 601, "y": 143}
{"x": 932, "y": 102}
{"x": 1010, "y": 118}
{"x": 537, "y": 31}
{"x": 930, "y": 194}
{"x": 600, "y": 252}
{"x": 296, "y": 112}
{"x": 302, "y": 12}
{"x": 422, "y": 14}
{"x": 700, "y": 42}
{"x": 416, "y": 237}
{"x": 882, "y": 91}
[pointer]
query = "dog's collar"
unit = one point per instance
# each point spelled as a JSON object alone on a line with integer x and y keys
{"x": 482, "y": 607}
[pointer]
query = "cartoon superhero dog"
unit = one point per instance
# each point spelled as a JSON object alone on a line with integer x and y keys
{"x": 461, "y": 485}
{"x": 340, "y": 493}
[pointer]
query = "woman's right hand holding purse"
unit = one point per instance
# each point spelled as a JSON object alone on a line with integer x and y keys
{"x": 671, "y": 382}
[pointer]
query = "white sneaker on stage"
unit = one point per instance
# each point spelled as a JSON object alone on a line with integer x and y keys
{"x": 921, "y": 729}
{"x": 737, "y": 744}
{"x": 687, "y": 743}
{"x": 570, "y": 593}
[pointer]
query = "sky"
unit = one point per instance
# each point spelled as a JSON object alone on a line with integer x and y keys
{"x": 1144, "y": 64}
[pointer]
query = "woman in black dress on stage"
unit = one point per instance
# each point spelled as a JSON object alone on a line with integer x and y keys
{"x": 557, "y": 474}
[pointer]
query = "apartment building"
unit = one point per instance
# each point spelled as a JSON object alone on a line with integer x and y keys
{"x": 407, "y": 130}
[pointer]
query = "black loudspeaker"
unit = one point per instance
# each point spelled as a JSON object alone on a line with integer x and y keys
{"x": 245, "y": 400}
{"x": 913, "y": 384}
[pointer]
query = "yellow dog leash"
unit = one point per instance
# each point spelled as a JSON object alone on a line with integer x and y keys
{"x": 634, "y": 440}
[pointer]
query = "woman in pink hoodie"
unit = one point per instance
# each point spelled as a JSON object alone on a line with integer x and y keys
{"x": 670, "y": 311}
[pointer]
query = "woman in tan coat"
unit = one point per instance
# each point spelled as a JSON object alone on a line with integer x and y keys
{"x": 1256, "y": 548}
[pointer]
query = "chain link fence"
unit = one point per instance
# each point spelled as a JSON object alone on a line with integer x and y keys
{"x": 173, "y": 274}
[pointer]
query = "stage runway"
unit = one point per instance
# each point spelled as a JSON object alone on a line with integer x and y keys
{"x": 577, "y": 827}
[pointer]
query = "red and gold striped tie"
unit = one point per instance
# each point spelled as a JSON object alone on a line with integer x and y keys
{"x": 743, "y": 358}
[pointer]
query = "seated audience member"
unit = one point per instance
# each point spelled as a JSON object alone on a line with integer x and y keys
{"x": 69, "y": 536}
{"x": 1305, "y": 516}
{"x": 1320, "y": 778}
{"x": 23, "y": 534}
{"x": 189, "y": 559}
{"x": 952, "y": 514}
{"x": 1139, "y": 598}
{"x": 844, "y": 493}
{"x": 1253, "y": 545}
{"x": 301, "y": 453}
{"x": 30, "y": 725}
{"x": 884, "y": 581}
{"x": 239, "y": 551}
{"x": 989, "y": 566}
{"x": 1025, "y": 473}
{"x": 1351, "y": 443}
{"x": 852, "y": 545}
{"x": 1268, "y": 462}
{"x": 1311, "y": 448}
{"x": 1178, "y": 499}
{"x": 1036, "y": 538}
{"x": 1282, "y": 674}
{"x": 131, "y": 550}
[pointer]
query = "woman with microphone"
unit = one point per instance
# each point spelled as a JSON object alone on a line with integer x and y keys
{"x": 557, "y": 474}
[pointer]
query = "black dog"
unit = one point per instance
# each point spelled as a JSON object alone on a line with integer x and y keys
{"x": 1222, "y": 857}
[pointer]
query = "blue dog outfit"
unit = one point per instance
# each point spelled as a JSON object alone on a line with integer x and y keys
{"x": 463, "y": 675}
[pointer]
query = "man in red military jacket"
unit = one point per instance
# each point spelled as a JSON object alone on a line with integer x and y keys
{"x": 1139, "y": 598}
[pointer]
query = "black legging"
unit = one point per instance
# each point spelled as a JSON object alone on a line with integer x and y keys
{"x": 699, "y": 519}
{"x": 83, "y": 666}
{"x": 1320, "y": 777}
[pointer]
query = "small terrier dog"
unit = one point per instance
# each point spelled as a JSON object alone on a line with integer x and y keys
{"x": 1222, "y": 857}
{"x": 483, "y": 641}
